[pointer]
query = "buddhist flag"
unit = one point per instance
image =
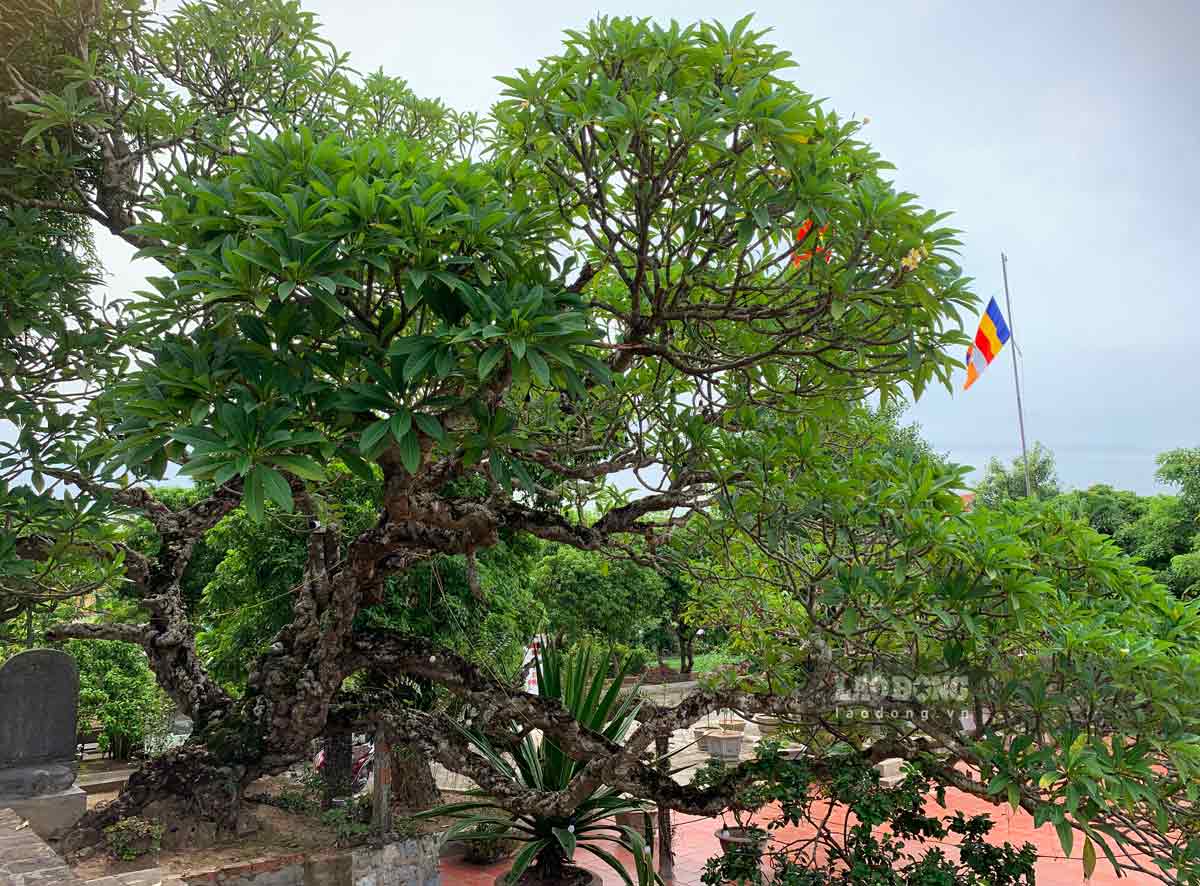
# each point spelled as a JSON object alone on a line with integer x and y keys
{"x": 991, "y": 336}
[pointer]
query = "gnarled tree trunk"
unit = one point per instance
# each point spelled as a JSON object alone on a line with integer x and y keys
{"x": 195, "y": 779}
{"x": 687, "y": 648}
{"x": 338, "y": 769}
{"x": 413, "y": 786}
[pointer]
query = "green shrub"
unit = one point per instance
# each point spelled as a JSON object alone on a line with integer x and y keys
{"x": 132, "y": 837}
{"x": 116, "y": 690}
{"x": 295, "y": 800}
{"x": 347, "y": 823}
{"x": 875, "y": 845}
{"x": 638, "y": 659}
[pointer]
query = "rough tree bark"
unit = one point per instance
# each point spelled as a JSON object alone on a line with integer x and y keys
{"x": 381, "y": 799}
{"x": 337, "y": 772}
{"x": 666, "y": 851}
{"x": 687, "y": 645}
{"x": 291, "y": 688}
{"x": 212, "y": 787}
{"x": 168, "y": 637}
{"x": 413, "y": 786}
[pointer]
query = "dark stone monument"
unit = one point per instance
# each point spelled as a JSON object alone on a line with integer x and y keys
{"x": 39, "y": 699}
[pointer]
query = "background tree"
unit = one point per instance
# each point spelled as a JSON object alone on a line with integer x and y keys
{"x": 1181, "y": 468}
{"x": 586, "y": 595}
{"x": 677, "y": 597}
{"x": 134, "y": 97}
{"x": 395, "y": 310}
{"x": 1106, "y": 510}
{"x": 117, "y": 691}
{"x": 243, "y": 577}
{"x": 1001, "y": 484}
{"x": 1159, "y": 531}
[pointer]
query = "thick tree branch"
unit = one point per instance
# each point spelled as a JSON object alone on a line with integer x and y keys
{"x": 139, "y": 635}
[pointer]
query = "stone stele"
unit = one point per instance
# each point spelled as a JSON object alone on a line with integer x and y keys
{"x": 39, "y": 699}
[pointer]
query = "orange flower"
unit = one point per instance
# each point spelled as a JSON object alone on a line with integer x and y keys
{"x": 801, "y": 235}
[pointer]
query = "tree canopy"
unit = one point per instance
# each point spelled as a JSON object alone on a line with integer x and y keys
{"x": 588, "y": 596}
{"x": 659, "y": 259}
{"x": 1162, "y": 532}
{"x": 1001, "y": 483}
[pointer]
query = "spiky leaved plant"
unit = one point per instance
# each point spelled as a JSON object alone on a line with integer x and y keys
{"x": 550, "y": 842}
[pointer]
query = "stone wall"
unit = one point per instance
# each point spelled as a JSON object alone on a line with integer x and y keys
{"x": 411, "y": 862}
{"x": 25, "y": 860}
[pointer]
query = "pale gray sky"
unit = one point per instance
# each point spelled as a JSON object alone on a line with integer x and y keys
{"x": 1064, "y": 133}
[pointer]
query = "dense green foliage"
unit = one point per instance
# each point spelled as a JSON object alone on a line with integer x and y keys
{"x": 861, "y": 831}
{"x": 1162, "y": 532}
{"x": 246, "y": 574}
{"x": 586, "y": 595}
{"x": 117, "y": 691}
{"x": 243, "y": 581}
{"x": 435, "y": 600}
{"x": 872, "y": 569}
{"x": 48, "y": 316}
{"x": 1000, "y": 483}
{"x": 666, "y": 260}
{"x": 179, "y": 90}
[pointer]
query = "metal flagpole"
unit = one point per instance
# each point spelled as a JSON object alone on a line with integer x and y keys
{"x": 1016, "y": 379}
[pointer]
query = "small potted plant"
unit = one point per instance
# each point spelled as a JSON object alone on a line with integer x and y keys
{"x": 742, "y": 846}
{"x": 742, "y": 839}
{"x": 743, "y": 842}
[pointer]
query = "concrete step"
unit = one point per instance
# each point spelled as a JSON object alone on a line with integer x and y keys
{"x": 104, "y": 782}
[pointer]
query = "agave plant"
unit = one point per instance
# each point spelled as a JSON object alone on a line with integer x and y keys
{"x": 550, "y": 842}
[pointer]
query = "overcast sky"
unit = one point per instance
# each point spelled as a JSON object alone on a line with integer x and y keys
{"x": 1065, "y": 134}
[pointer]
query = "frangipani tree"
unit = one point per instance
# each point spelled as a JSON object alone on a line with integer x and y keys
{"x": 669, "y": 260}
{"x": 102, "y": 106}
{"x": 616, "y": 286}
{"x": 1013, "y": 651}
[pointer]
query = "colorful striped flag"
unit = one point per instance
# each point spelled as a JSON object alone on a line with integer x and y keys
{"x": 991, "y": 336}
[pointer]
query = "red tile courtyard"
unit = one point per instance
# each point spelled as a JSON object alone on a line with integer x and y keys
{"x": 696, "y": 842}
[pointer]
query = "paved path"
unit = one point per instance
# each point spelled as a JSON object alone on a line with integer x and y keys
{"x": 696, "y": 842}
{"x": 26, "y": 860}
